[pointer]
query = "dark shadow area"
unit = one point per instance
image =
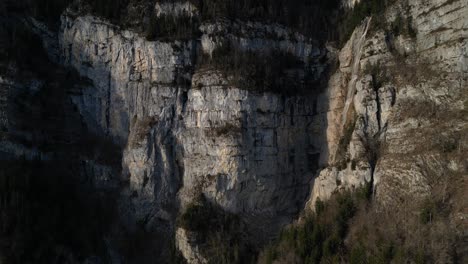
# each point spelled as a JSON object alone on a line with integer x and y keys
{"x": 53, "y": 205}
{"x": 268, "y": 71}
{"x": 48, "y": 215}
{"x": 222, "y": 235}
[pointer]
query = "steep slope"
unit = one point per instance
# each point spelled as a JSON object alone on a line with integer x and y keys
{"x": 209, "y": 130}
{"x": 398, "y": 121}
{"x": 400, "y": 102}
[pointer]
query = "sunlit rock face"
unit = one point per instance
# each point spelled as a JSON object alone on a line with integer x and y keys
{"x": 188, "y": 131}
{"x": 396, "y": 103}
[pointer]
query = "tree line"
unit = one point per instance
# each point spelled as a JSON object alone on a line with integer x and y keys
{"x": 267, "y": 71}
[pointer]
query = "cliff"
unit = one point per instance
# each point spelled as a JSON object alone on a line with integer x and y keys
{"x": 245, "y": 125}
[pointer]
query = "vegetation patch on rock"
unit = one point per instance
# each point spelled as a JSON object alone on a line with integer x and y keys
{"x": 221, "y": 234}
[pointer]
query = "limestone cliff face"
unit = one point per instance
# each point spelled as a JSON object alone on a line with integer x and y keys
{"x": 395, "y": 102}
{"x": 393, "y": 114}
{"x": 426, "y": 137}
{"x": 189, "y": 131}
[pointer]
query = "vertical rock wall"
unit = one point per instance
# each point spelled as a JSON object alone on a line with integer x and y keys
{"x": 393, "y": 115}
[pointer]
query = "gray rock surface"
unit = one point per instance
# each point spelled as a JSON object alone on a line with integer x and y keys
{"x": 393, "y": 115}
{"x": 419, "y": 94}
{"x": 254, "y": 154}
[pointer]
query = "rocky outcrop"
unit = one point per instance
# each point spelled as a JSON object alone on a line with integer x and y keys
{"x": 189, "y": 131}
{"x": 398, "y": 84}
{"x": 252, "y": 154}
{"x": 347, "y": 97}
{"x": 176, "y": 9}
{"x": 189, "y": 249}
{"x": 436, "y": 93}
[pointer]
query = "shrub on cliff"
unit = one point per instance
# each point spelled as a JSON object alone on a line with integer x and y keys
{"x": 309, "y": 17}
{"x": 168, "y": 28}
{"x": 110, "y": 9}
{"x": 320, "y": 238}
{"x": 313, "y": 18}
{"x": 268, "y": 71}
{"x": 349, "y": 228}
{"x": 351, "y": 18}
{"x": 403, "y": 26}
{"x": 221, "y": 234}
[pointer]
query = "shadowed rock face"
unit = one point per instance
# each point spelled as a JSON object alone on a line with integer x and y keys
{"x": 393, "y": 113}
